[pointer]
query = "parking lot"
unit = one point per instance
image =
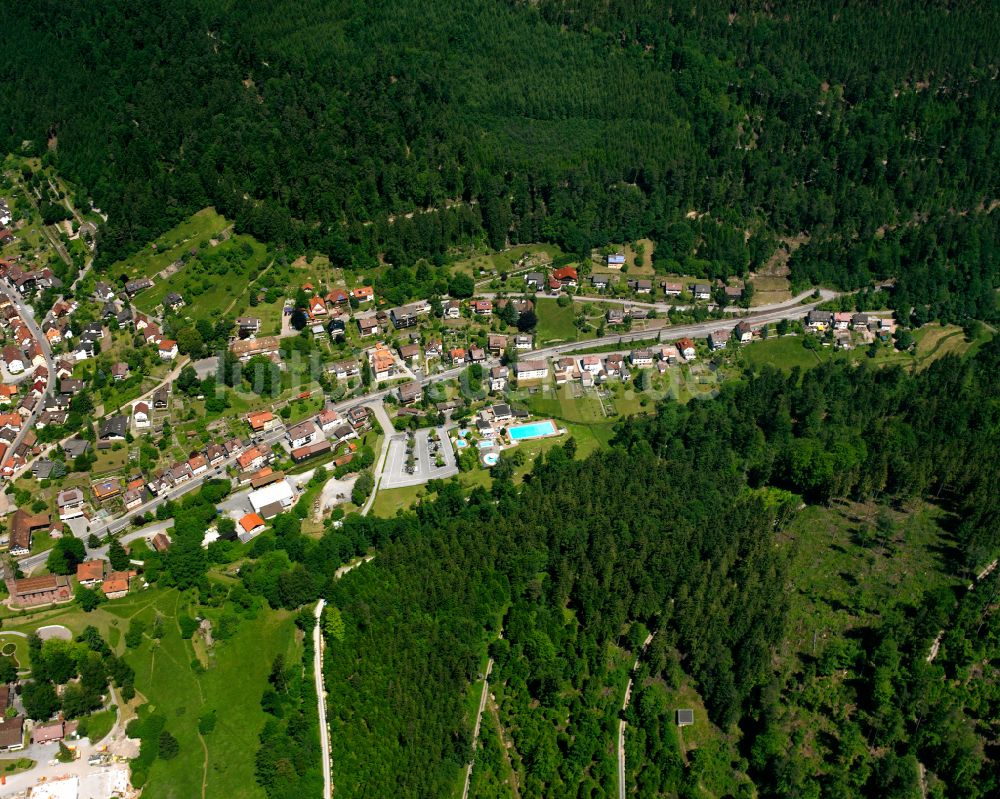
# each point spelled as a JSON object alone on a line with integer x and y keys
{"x": 425, "y": 454}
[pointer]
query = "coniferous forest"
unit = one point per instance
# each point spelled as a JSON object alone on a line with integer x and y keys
{"x": 870, "y": 127}
{"x": 676, "y": 531}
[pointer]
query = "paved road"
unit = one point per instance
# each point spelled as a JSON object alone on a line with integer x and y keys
{"x": 324, "y": 730}
{"x": 475, "y": 731}
{"x": 387, "y": 431}
{"x": 621, "y": 721}
{"x": 787, "y": 310}
{"x": 665, "y": 307}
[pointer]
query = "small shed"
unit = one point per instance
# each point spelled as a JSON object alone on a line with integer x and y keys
{"x": 685, "y": 718}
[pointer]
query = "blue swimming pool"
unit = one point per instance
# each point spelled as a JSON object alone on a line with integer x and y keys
{"x": 461, "y": 443}
{"x": 523, "y": 432}
{"x": 485, "y": 444}
{"x": 491, "y": 458}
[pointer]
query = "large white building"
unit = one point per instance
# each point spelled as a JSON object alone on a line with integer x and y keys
{"x": 272, "y": 499}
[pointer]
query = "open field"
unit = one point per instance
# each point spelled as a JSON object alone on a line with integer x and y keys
{"x": 182, "y": 679}
{"x": 769, "y": 289}
{"x": 506, "y": 260}
{"x": 168, "y": 248}
{"x": 555, "y": 323}
{"x": 785, "y": 353}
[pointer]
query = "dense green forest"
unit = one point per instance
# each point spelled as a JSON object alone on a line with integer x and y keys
{"x": 685, "y": 529}
{"x": 313, "y": 123}
{"x": 674, "y": 531}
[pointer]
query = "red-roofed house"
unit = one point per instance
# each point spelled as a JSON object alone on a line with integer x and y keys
{"x": 168, "y": 349}
{"x": 566, "y": 275}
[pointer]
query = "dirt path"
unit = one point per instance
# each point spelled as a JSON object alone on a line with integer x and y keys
{"x": 246, "y": 289}
{"x": 475, "y": 731}
{"x": 506, "y": 746}
{"x": 621, "y": 721}
{"x": 936, "y": 646}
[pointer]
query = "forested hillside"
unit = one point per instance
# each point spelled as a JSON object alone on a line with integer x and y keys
{"x": 678, "y": 530}
{"x": 317, "y": 123}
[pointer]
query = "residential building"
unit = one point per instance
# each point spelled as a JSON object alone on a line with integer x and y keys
{"x": 114, "y": 428}
{"x": 641, "y": 358}
{"x": 104, "y": 490}
{"x": 140, "y": 414}
{"x": 743, "y": 332}
{"x": 616, "y": 260}
{"x": 116, "y": 585}
{"x": 245, "y": 349}
{"x": 498, "y": 378}
{"x": 819, "y": 320}
{"x": 344, "y": 369}
{"x": 168, "y": 349}
{"x": 11, "y": 733}
{"x": 410, "y": 353}
{"x": 302, "y": 434}
{"x": 250, "y": 525}
{"x": 686, "y": 348}
{"x": 251, "y": 460}
{"x": 368, "y": 326}
{"x": 247, "y": 326}
{"x": 363, "y": 294}
{"x": 457, "y": 356}
{"x": 531, "y": 370}
{"x": 482, "y": 307}
{"x": 452, "y": 309}
{"x": 198, "y": 464}
{"x": 71, "y": 503}
{"x": 701, "y": 291}
{"x": 382, "y": 363}
{"x": 523, "y": 343}
{"x": 497, "y": 344}
{"x": 410, "y": 392}
{"x": 718, "y": 339}
{"x": 566, "y": 276}
{"x": 174, "y": 301}
{"x": 90, "y": 572}
{"x": 262, "y": 421}
{"x": 23, "y": 526}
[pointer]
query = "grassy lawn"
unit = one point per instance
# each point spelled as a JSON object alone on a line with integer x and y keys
{"x": 769, "y": 289}
{"x": 167, "y": 680}
{"x": 506, "y": 260}
{"x": 785, "y": 353}
{"x": 20, "y": 645}
{"x": 213, "y": 281}
{"x": 99, "y": 724}
{"x": 167, "y": 676}
{"x": 110, "y": 460}
{"x": 15, "y": 765}
{"x": 388, "y": 501}
{"x": 554, "y": 323}
{"x": 155, "y": 257}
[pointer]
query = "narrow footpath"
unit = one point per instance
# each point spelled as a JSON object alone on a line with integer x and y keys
{"x": 621, "y": 721}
